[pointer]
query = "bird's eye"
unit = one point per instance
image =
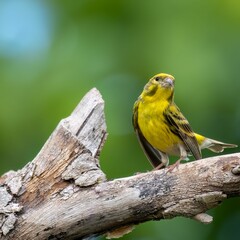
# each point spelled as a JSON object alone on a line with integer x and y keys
{"x": 157, "y": 79}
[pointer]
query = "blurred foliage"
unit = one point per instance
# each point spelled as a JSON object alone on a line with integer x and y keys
{"x": 53, "y": 52}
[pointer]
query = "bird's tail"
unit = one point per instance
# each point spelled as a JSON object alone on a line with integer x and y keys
{"x": 216, "y": 146}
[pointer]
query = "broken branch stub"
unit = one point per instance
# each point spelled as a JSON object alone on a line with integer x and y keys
{"x": 67, "y": 161}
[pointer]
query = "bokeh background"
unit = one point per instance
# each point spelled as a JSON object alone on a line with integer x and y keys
{"x": 53, "y": 52}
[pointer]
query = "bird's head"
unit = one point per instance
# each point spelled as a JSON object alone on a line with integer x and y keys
{"x": 161, "y": 86}
{"x": 164, "y": 80}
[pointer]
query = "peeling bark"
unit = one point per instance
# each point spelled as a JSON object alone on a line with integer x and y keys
{"x": 63, "y": 193}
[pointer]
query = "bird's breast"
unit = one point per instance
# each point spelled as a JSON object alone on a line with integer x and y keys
{"x": 155, "y": 128}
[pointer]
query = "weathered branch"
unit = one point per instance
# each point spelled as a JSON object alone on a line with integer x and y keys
{"x": 63, "y": 194}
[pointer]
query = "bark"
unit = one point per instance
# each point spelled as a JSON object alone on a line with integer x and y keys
{"x": 63, "y": 193}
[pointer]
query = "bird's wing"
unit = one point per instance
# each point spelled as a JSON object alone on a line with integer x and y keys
{"x": 153, "y": 155}
{"x": 180, "y": 126}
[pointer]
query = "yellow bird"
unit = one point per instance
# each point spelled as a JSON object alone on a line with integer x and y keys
{"x": 161, "y": 128}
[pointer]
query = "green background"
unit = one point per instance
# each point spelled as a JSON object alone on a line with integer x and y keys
{"x": 53, "y": 52}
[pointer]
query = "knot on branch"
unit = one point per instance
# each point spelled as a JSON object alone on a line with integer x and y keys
{"x": 236, "y": 170}
{"x": 203, "y": 218}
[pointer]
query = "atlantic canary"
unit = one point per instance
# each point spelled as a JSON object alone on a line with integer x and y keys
{"x": 161, "y": 128}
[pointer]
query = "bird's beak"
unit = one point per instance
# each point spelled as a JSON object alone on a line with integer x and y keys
{"x": 169, "y": 82}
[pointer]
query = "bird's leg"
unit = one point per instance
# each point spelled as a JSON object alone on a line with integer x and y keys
{"x": 164, "y": 161}
{"x": 159, "y": 166}
{"x": 183, "y": 156}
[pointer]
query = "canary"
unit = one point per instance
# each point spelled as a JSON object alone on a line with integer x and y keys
{"x": 161, "y": 128}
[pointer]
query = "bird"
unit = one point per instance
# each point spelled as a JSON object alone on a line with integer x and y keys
{"x": 162, "y": 129}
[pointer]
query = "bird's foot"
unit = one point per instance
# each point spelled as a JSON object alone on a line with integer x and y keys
{"x": 175, "y": 165}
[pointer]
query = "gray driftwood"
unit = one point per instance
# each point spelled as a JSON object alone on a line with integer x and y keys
{"x": 63, "y": 193}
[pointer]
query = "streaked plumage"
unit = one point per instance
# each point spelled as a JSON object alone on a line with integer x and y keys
{"x": 161, "y": 128}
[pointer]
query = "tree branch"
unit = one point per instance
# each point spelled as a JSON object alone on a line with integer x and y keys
{"x": 63, "y": 194}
